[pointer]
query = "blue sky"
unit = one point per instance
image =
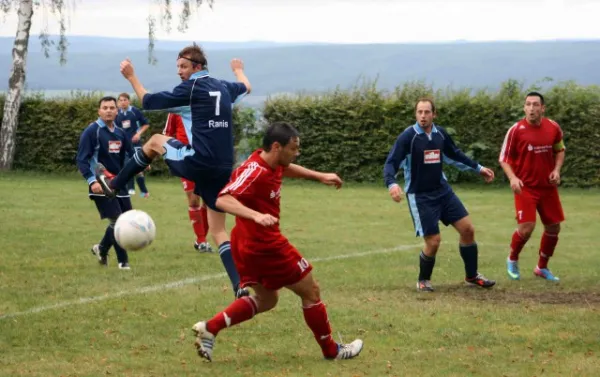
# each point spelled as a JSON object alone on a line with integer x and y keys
{"x": 349, "y": 21}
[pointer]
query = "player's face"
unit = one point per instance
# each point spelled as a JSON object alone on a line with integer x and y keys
{"x": 123, "y": 102}
{"x": 534, "y": 110}
{"x": 107, "y": 111}
{"x": 288, "y": 154}
{"x": 424, "y": 114}
{"x": 185, "y": 69}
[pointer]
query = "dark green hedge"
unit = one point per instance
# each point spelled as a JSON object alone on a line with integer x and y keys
{"x": 351, "y": 131}
{"x": 49, "y": 130}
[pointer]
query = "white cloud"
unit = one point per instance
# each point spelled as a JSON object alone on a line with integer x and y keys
{"x": 350, "y": 21}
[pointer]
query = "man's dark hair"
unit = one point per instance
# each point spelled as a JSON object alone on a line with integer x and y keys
{"x": 426, "y": 99}
{"x": 536, "y": 94}
{"x": 195, "y": 54}
{"x": 124, "y": 95}
{"x": 280, "y": 132}
{"x": 107, "y": 99}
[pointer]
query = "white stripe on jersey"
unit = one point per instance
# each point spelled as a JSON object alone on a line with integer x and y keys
{"x": 507, "y": 143}
{"x": 243, "y": 177}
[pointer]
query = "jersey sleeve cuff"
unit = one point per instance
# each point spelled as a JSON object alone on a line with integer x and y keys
{"x": 478, "y": 168}
{"x": 91, "y": 180}
{"x": 392, "y": 185}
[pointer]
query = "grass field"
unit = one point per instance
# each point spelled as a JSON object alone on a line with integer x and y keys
{"x": 63, "y": 315}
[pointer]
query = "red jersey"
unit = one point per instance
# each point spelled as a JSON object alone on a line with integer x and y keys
{"x": 257, "y": 186}
{"x": 530, "y": 151}
{"x": 174, "y": 128}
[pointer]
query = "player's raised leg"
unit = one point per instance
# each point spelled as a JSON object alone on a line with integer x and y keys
{"x": 138, "y": 163}
{"x": 242, "y": 309}
{"x": 315, "y": 315}
{"x": 470, "y": 253}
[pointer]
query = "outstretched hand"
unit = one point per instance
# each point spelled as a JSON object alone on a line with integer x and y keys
{"x": 331, "y": 179}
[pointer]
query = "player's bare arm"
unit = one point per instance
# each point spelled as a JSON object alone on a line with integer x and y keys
{"x": 297, "y": 171}
{"x": 129, "y": 73}
{"x": 559, "y": 160}
{"x": 233, "y": 206}
{"x": 237, "y": 66}
{"x": 515, "y": 183}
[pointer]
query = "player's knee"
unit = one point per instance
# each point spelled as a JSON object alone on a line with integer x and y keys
{"x": 434, "y": 241}
{"x": 313, "y": 293}
{"x": 266, "y": 302}
{"x": 552, "y": 228}
{"x": 526, "y": 229}
{"x": 468, "y": 233}
{"x": 194, "y": 201}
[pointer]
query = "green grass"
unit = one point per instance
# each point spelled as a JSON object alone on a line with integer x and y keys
{"x": 526, "y": 328}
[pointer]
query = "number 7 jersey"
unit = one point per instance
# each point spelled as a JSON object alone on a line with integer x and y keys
{"x": 206, "y": 106}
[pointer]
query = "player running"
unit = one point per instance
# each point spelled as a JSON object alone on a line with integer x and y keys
{"x": 532, "y": 155}
{"x": 266, "y": 260}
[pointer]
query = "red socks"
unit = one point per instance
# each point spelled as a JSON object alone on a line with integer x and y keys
{"x": 199, "y": 222}
{"x": 516, "y": 245}
{"x": 239, "y": 311}
{"x": 547, "y": 246}
{"x": 316, "y": 318}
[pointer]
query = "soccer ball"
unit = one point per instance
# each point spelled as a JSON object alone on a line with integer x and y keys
{"x": 134, "y": 230}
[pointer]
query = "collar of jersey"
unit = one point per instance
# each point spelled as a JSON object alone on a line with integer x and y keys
{"x": 129, "y": 108}
{"x": 419, "y": 130}
{"x": 102, "y": 124}
{"x": 199, "y": 74}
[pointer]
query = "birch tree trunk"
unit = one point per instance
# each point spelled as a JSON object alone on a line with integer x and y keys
{"x": 10, "y": 119}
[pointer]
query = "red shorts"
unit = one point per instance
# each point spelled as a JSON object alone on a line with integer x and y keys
{"x": 544, "y": 201}
{"x": 273, "y": 268}
{"x": 187, "y": 185}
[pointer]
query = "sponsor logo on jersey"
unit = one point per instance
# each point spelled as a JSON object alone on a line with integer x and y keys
{"x": 432, "y": 156}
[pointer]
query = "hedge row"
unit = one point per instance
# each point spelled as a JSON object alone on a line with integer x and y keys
{"x": 49, "y": 130}
{"x": 351, "y": 131}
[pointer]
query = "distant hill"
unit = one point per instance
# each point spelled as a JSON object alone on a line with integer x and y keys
{"x": 93, "y": 64}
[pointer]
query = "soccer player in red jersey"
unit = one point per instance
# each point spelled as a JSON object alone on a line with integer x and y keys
{"x": 265, "y": 259}
{"x": 197, "y": 213}
{"x": 532, "y": 156}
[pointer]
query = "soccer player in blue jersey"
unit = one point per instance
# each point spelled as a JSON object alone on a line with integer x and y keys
{"x": 205, "y": 105}
{"x": 420, "y": 150}
{"x": 134, "y": 123}
{"x": 103, "y": 143}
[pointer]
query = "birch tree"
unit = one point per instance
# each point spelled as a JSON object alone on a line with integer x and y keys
{"x": 58, "y": 8}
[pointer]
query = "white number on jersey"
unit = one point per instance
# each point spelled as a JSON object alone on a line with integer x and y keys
{"x": 218, "y": 104}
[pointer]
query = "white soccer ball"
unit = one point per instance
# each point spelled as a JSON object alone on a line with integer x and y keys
{"x": 134, "y": 230}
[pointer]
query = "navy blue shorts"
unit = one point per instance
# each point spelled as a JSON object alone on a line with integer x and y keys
{"x": 111, "y": 208}
{"x": 208, "y": 181}
{"x": 428, "y": 209}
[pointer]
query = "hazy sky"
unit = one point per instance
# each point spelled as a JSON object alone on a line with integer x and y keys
{"x": 349, "y": 21}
